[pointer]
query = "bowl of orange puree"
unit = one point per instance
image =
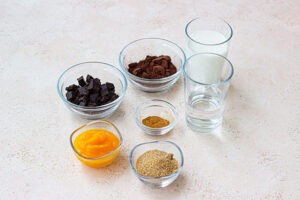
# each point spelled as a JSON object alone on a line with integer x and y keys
{"x": 97, "y": 143}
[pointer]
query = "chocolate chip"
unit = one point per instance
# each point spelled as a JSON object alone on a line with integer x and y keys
{"x": 81, "y": 81}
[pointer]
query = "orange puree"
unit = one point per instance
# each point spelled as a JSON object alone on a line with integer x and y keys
{"x": 95, "y": 143}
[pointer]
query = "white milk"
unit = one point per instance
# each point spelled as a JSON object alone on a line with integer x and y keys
{"x": 206, "y": 69}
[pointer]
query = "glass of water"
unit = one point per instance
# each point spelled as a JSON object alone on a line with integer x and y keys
{"x": 206, "y": 82}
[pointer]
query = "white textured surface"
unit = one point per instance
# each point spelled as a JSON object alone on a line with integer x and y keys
{"x": 255, "y": 155}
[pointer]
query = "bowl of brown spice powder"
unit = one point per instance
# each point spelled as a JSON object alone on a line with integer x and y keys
{"x": 156, "y": 163}
{"x": 156, "y": 117}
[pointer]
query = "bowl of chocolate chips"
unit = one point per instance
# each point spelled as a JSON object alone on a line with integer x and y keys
{"x": 92, "y": 90}
{"x": 152, "y": 64}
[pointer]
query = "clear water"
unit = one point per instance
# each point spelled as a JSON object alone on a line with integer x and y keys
{"x": 204, "y": 110}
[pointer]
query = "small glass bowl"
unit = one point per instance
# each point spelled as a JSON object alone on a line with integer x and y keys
{"x": 106, "y": 73}
{"x": 156, "y": 107}
{"x": 166, "y": 146}
{"x": 103, "y": 160}
{"x": 139, "y": 49}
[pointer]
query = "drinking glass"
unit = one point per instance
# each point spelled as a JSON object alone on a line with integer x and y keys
{"x": 206, "y": 82}
{"x": 208, "y": 34}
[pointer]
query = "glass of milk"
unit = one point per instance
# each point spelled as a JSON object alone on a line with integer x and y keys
{"x": 207, "y": 34}
{"x": 205, "y": 98}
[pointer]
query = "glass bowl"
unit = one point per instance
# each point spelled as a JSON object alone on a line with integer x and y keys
{"x": 166, "y": 146}
{"x": 103, "y": 160}
{"x": 106, "y": 73}
{"x": 139, "y": 49}
{"x": 156, "y": 107}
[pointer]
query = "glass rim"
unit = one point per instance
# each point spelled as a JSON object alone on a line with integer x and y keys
{"x": 124, "y": 87}
{"x": 209, "y": 44}
{"x": 159, "y": 177}
{"x": 208, "y": 84}
{"x": 171, "y": 107}
{"x": 88, "y": 124}
{"x": 147, "y": 79}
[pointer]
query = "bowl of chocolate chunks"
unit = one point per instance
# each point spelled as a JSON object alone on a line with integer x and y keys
{"x": 92, "y": 90}
{"x": 152, "y": 64}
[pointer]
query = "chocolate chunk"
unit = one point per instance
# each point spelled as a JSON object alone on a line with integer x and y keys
{"x": 70, "y": 95}
{"x": 153, "y": 67}
{"x": 82, "y": 103}
{"x": 164, "y": 64}
{"x": 97, "y": 82}
{"x": 131, "y": 65}
{"x": 110, "y": 87}
{"x": 104, "y": 99}
{"x": 83, "y": 98}
{"x": 104, "y": 90}
{"x": 89, "y": 78}
{"x": 159, "y": 70}
{"x": 114, "y": 97}
{"x": 81, "y": 81}
{"x": 137, "y": 71}
{"x": 71, "y": 87}
{"x": 145, "y": 75}
{"x": 94, "y": 97}
{"x": 157, "y": 60}
{"x": 92, "y": 93}
{"x": 91, "y": 104}
{"x": 167, "y": 58}
{"x": 91, "y": 84}
{"x": 76, "y": 101}
{"x": 83, "y": 91}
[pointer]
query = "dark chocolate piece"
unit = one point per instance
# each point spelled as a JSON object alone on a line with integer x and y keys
{"x": 82, "y": 103}
{"x": 153, "y": 67}
{"x": 81, "y": 81}
{"x": 104, "y": 90}
{"x": 83, "y": 91}
{"x": 91, "y": 85}
{"x": 94, "y": 97}
{"x": 110, "y": 87}
{"x": 91, "y": 92}
{"x": 71, "y": 87}
{"x": 97, "y": 82}
{"x": 114, "y": 97}
{"x": 89, "y": 78}
{"x": 91, "y": 104}
{"x": 70, "y": 95}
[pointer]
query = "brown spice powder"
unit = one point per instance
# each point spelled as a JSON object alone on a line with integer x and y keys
{"x": 155, "y": 122}
{"x": 156, "y": 163}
